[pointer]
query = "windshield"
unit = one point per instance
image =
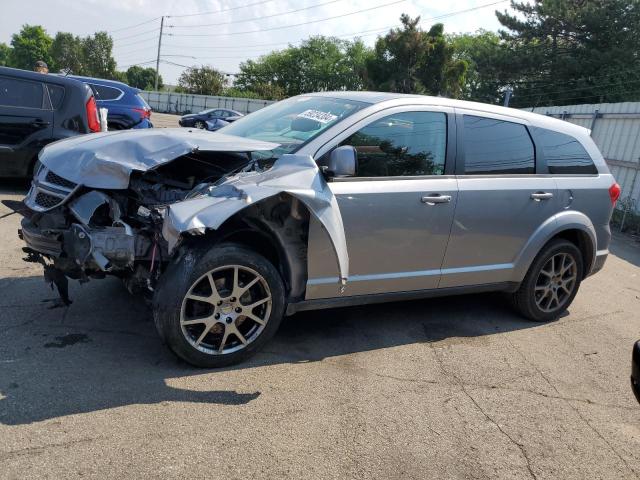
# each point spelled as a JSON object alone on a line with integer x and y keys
{"x": 292, "y": 122}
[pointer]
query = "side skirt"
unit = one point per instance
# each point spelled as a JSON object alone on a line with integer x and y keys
{"x": 338, "y": 302}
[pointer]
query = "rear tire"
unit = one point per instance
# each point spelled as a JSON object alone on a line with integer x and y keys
{"x": 217, "y": 306}
{"x": 551, "y": 283}
{"x": 200, "y": 124}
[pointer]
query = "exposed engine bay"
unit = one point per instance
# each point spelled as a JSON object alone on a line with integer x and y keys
{"x": 103, "y": 208}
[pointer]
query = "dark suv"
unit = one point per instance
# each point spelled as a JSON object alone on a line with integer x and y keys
{"x": 36, "y": 109}
{"x": 127, "y": 109}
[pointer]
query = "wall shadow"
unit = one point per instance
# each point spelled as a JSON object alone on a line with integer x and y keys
{"x": 625, "y": 247}
{"x": 103, "y": 352}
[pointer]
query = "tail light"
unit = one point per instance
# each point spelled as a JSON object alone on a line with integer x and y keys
{"x": 145, "y": 112}
{"x": 614, "y": 193}
{"x": 92, "y": 115}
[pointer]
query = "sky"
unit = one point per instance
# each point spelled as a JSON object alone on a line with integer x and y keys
{"x": 211, "y": 36}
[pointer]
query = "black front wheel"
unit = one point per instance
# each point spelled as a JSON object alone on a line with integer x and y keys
{"x": 217, "y": 307}
{"x": 551, "y": 283}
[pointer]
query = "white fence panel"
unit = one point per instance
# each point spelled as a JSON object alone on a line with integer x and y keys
{"x": 181, "y": 103}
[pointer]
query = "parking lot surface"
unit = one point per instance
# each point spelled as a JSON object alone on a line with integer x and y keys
{"x": 448, "y": 388}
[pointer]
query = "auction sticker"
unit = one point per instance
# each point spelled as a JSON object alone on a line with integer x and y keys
{"x": 318, "y": 116}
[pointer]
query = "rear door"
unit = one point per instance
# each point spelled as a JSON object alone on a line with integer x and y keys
{"x": 504, "y": 197}
{"x": 397, "y": 211}
{"x": 26, "y": 124}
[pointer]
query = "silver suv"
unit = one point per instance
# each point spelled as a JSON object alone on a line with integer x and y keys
{"x": 319, "y": 201}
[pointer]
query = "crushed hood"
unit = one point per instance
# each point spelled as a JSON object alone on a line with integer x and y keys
{"x": 106, "y": 160}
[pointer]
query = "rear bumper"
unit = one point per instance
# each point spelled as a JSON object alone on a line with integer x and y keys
{"x": 635, "y": 370}
{"x": 601, "y": 258}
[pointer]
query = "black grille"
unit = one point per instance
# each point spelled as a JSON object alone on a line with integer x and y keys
{"x": 44, "y": 200}
{"x": 58, "y": 180}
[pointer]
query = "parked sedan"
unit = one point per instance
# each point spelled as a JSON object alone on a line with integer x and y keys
{"x": 37, "y": 109}
{"x": 126, "y": 107}
{"x": 199, "y": 120}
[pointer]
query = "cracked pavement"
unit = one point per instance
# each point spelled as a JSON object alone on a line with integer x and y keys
{"x": 445, "y": 388}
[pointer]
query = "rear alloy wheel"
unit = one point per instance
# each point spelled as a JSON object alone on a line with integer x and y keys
{"x": 218, "y": 306}
{"x": 551, "y": 282}
{"x": 199, "y": 124}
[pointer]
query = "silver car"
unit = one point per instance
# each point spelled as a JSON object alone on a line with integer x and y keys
{"x": 320, "y": 201}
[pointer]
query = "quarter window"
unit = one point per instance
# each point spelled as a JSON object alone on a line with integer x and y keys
{"x": 20, "y": 93}
{"x": 56, "y": 94}
{"x": 493, "y": 146}
{"x": 404, "y": 144}
{"x": 105, "y": 93}
{"x": 564, "y": 154}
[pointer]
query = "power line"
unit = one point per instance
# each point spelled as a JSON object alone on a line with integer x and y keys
{"x": 255, "y": 18}
{"x": 133, "y": 26}
{"x": 286, "y": 26}
{"x": 219, "y": 11}
{"x": 136, "y": 35}
{"x": 154, "y": 38}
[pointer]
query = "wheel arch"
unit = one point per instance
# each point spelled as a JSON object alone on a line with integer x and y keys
{"x": 571, "y": 225}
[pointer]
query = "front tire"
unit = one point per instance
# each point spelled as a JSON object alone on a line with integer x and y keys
{"x": 200, "y": 124}
{"x": 551, "y": 283}
{"x": 216, "y": 307}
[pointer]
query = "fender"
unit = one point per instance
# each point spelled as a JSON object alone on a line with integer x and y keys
{"x": 297, "y": 175}
{"x": 566, "y": 220}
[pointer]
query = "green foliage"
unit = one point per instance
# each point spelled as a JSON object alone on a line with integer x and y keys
{"x": 142, "y": 78}
{"x": 5, "y": 52}
{"x": 66, "y": 53}
{"x": 97, "y": 57}
{"x": 489, "y": 65}
{"x": 202, "y": 80}
{"x": 318, "y": 64}
{"x": 410, "y": 60}
{"x": 29, "y": 46}
{"x": 573, "y": 51}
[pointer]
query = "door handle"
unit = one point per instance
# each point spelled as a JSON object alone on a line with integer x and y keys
{"x": 436, "y": 198}
{"x": 537, "y": 196}
{"x": 39, "y": 123}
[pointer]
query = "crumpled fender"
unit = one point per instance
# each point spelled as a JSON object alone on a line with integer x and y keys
{"x": 297, "y": 175}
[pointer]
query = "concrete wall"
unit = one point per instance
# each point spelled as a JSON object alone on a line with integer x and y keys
{"x": 180, "y": 103}
{"x": 615, "y": 127}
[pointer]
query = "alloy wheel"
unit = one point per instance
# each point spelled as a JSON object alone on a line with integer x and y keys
{"x": 199, "y": 124}
{"x": 556, "y": 281}
{"x": 225, "y": 310}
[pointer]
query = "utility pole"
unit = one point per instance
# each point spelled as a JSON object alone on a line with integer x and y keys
{"x": 507, "y": 95}
{"x": 158, "y": 57}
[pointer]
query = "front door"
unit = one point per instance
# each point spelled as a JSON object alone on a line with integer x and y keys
{"x": 397, "y": 211}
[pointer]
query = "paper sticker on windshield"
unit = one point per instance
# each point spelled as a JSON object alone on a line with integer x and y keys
{"x": 318, "y": 116}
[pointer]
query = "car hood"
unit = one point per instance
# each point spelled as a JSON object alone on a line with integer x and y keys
{"x": 106, "y": 160}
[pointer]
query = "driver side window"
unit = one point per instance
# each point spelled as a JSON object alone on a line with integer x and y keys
{"x": 402, "y": 144}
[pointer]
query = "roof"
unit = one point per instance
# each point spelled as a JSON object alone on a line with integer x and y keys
{"x": 102, "y": 81}
{"x": 535, "y": 119}
{"x": 39, "y": 77}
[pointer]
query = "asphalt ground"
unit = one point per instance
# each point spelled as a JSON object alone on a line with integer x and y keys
{"x": 445, "y": 388}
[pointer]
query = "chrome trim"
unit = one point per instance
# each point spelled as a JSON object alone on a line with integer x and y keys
{"x": 40, "y": 185}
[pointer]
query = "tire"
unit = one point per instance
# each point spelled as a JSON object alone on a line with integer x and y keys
{"x": 185, "y": 305}
{"x": 199, "y": 124}
{"x": 535, "y": 299}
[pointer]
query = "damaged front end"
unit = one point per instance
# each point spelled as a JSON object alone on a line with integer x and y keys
{"x": 122, "y": 203}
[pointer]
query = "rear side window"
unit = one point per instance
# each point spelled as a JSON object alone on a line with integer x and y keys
{"x": 106, "y": 93}
{"x": 15, "y": 92}
{"x": 563, "y": 153}
{"x": 56, "y": 94}
{"x": 404, "y": 144}
{"x": 493, "y": 146}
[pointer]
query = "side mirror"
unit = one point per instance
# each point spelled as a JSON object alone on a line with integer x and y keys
{"x": 343, "y": 161}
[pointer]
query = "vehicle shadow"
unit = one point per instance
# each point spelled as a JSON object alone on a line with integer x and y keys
{"x": 102, "y": 352}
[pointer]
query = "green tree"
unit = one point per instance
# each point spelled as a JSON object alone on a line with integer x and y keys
{"x": 489, "y": 62}
{"x": 317, "y": 64}
{"x": 202, "y": 80}
{"x": 410, "y": 60}
{"x": 143, "y": 78}
{"x": 29, "y": 46}
{"x": 573, "y": 51}
{"x": 66, "y": 53}
{"x": 5, "y": 53}
{"x": 97, "y": 56}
